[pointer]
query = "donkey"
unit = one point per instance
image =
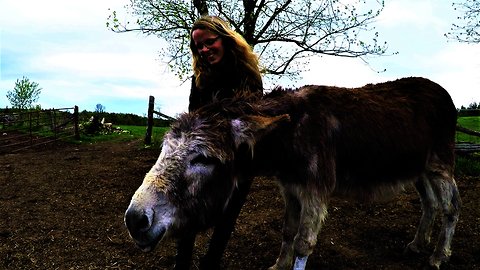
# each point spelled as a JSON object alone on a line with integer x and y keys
{"x": 318, "y": 141}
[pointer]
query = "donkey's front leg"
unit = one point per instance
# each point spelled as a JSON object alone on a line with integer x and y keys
{"x": 313, "y": 213}
{"x": 224, "y": 228}
{"x": 183, "y": 258}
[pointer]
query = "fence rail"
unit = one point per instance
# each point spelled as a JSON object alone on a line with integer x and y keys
{"x": 25, "y": 129}
{"x": 467, "y": 147}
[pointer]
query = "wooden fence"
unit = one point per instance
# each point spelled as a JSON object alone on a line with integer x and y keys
{"x": 25, "y": 129}
{"x": 150, "y": 119}
{"x": 467, "y": 147}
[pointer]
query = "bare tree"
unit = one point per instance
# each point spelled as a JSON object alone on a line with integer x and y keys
{"x": 468, "y": 27}
{"x": 283, "y": 32}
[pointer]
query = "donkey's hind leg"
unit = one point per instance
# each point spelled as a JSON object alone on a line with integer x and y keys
{"x": 430, "y": 207}
{"x": 290, "y": 228}
{"x": 447, "y": 194}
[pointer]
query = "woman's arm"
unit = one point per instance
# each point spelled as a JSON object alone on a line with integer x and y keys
{"x": 195, "y": 100}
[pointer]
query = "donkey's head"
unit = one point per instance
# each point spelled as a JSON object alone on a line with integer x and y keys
{"x": 194, "y": 176}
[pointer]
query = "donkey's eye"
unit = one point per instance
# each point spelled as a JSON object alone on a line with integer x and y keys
{"x": 203, "y": 160}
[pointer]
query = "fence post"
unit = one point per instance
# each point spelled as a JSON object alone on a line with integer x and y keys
{"x": 30, "y": 126}
{"x": 148, "y": 135}
{"x": 75, "y": 122}
{"x": 55, "y": 130}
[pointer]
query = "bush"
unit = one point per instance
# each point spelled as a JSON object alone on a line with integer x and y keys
{"x": 470, "y": 112}
{"x": 92, "y": 127}
{"x": 468, "y": 165}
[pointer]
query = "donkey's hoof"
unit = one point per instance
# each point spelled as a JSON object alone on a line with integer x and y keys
{"x": 208, "y": 264}
{"x": 414, "y": 248}
{"x": 411, "y": 248}
{"x": 437, "y": 259}
{"x": 277, "y": 267}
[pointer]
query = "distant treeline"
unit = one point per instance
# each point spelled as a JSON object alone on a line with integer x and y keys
{"x": 136, "y": 120}
{"x": 128, "y": 119}
{"x": 469, "y": 112}
{"x": 131, "y": 119}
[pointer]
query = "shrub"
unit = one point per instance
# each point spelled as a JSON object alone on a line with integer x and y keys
{"x": 468, "y": 165}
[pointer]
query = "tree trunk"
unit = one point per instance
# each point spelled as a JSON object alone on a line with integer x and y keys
{"x": 201, "y": 6}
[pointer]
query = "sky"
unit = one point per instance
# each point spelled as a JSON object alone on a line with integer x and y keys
{"x": 67, "y": 49}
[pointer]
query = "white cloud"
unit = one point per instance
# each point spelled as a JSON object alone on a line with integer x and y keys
{"x": 110, "y": 65}
{"x": 414, "y": 13}
{"x": 456, "y": 71}
{"x": 57, "y": 14}
{"x": 337, "y": 71}
{"x": 452, "y": 68}
{"x": 66, "y": 47}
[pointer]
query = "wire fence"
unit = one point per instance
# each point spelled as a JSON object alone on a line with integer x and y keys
{"x": 21, "y": 130}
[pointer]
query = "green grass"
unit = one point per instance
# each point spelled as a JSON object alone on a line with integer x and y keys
{"x": 132, "y": 133}
{"x": 470, "y": 122}
{"x": 139, "y": 132}
{"x": 468, "y": 164}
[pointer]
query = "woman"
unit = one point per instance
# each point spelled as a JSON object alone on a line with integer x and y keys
{"x": 223, "y": 63}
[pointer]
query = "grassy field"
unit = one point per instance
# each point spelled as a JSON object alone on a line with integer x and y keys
{"x": 130, "y": 133}
{"x": 468, "y": 164}
{"x": 470, "y": 122}
{"x": 139, "y": 132}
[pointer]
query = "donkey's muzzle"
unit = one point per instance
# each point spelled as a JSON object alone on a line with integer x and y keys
{"x": 139, "y": 225}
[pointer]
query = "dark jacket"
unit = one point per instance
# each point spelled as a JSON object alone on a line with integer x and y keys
{"x": 223, "y": 88}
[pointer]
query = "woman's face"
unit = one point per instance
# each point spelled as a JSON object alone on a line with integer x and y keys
{"x": 209, "y": 46}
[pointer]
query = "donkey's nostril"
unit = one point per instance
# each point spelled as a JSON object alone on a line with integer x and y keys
{"x": 143, "y": 223}
{"x": 138, "y": 221}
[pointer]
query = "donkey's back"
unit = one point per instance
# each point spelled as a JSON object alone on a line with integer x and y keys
{"x": 366, "y": 143}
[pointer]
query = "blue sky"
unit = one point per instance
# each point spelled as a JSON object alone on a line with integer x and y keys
{"x": 66, "y": 47}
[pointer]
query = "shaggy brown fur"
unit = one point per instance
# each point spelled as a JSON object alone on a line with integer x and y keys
{"x": 319, "y": 141}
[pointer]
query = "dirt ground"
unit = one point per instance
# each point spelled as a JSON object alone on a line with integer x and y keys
{"x": 62, "y": 208}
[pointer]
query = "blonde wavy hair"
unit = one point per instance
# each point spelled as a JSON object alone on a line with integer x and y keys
{"x": 242, "y": 59}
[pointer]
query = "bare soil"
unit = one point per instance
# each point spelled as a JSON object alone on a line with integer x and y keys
{"x": 62, "y": 206}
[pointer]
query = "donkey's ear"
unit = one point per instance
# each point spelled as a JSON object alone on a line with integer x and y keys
{"x": 248, "y": 129}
